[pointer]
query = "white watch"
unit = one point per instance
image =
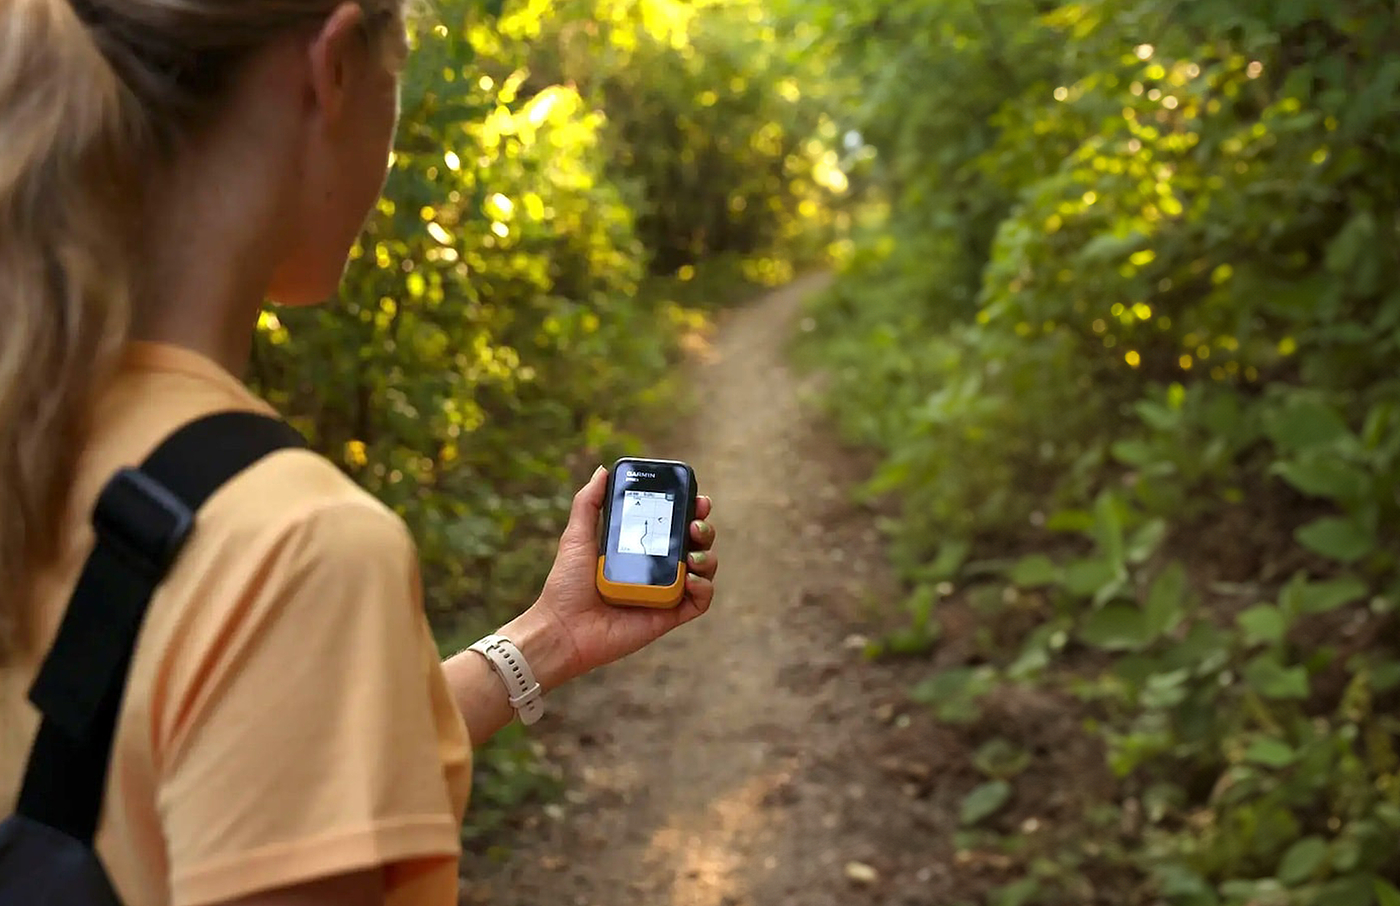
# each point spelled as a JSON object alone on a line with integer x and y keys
{"x": 526, "y": 695}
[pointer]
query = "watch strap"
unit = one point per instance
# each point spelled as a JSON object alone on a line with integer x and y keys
{"x": 525, "y": 694}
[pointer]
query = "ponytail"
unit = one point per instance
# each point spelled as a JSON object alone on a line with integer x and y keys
{"x": 66, "y": 163}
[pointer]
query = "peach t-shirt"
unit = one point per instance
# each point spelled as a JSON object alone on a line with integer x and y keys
{"x": 286, "y": 716}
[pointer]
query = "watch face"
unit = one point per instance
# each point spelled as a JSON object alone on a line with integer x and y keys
{"x": 647, "y": 515}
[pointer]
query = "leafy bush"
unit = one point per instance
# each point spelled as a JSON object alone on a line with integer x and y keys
{"x": 1130, "y": 313}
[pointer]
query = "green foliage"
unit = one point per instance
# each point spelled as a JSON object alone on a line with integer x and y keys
{"x": 716, "y": 134}
{"x": 512, "y": 312}
{"x": 1123, "y": 300}
{"x": 984, "y": 801}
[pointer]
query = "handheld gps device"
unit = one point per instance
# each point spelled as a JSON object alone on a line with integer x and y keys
{"x": 645, "y": 532}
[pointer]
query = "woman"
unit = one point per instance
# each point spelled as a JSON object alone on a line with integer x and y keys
{"x": 288, "y": 735}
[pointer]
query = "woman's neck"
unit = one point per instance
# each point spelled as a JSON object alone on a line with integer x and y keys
{"x": 210, "y": 247}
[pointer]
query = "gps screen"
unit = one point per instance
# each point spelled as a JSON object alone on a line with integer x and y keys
{"x": 646, "y": 523}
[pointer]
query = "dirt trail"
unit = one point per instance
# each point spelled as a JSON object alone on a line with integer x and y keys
{"x": 747, "y": 759}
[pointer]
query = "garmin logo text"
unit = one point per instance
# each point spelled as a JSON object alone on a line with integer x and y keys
{"x": 633, "y": 475}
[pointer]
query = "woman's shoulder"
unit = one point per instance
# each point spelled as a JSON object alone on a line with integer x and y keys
{"x": 291, "y": 567}
{"x": 296, "y": 502}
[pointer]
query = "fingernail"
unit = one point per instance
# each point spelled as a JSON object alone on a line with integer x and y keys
{"x": 598, "y": 471}
{"x": 702, "y": 527}
{"x": 697, "y": 558}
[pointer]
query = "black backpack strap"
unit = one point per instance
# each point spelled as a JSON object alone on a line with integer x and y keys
{"x": 142, "y": 519}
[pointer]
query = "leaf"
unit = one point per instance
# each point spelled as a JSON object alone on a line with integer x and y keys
{"x": 984, "y": 801}
{"x": 953, "y": 694}
{"x": 1110, "y": 247}
{"x": 1179, "y": 881}
{"x": 1305, "y": 425}
{"x": 1385, "y": 675}
{"x": 1386, "y": 893}
{"x": 1164, "y": 602}
{"x": 1346, "y": 852}
{"x": 1145, "y": 541}
{"x": 1337, "y": 538}
{"x": 1117, "y": 627}
{"x": 1263, "y": 625}
{"x": 1037, "y": 569}
{"x": 1302, "y": 860}
{"x": 1071, "y": 521}
{"x": 911, "y": 640}
{"x": 951, "y": 556}
{"x": 1017, "y": 893}
{"x": 943, "y": 685}
{"x": 1271, "y": 679}
{"x": 1111, "y": 589}
{"x": 1165, "y": 690}
{"x": 1272, "y": 753}
{"x": 1352, "y": 890}
{"x": 1324, "y": 597}
{"x": 1329, "y": 479}
{"x": 1108, "y": 528}
{"x": 1085, "y": 577}
{"x": 999, "y": 759}
{"x": 1136, "y": 453}
{"x": 1157, "y": 416}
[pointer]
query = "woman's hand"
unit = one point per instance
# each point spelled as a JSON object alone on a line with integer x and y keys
{"x": 584, "y": 631}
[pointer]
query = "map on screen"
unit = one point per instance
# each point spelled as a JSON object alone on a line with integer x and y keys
{"x": 646, "y": 523}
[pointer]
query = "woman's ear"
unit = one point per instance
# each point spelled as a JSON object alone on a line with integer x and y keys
{"x": 338, "y": 53}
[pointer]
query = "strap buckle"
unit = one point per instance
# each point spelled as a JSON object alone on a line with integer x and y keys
{"x": 142, "y": 520}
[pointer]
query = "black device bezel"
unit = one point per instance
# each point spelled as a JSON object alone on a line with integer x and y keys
{"x": 664, "y": 569}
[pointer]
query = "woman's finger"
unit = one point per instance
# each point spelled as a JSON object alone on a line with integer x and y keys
{"x": 699, "y": 593}
{"x": 703, "y": 505}
{"x": 702, "y": 535}
{"x": 703, "y": 563}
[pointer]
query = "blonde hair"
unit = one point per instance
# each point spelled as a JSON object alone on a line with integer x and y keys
{"x": 93, "y": 95}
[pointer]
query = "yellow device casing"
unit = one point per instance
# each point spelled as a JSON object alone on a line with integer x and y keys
{"x": 642, "y": 595}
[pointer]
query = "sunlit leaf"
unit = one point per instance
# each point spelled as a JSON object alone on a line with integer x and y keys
{"x": 1263, "y": 625}
{"x": 1166, "y": 600}
{"x": 1144, "y": 542}
{"x": 1000, "y": 759}
{"x": 1271, "y": 679}
{"x": 1327, "y": 477}
{"x": 1117, "y": 627}
{"x": 1273, "y": 753}
{"x": 1337, "y": 538}
{"x": 1036, "y": 569}
{"x": 984, "y": 801}
{"x": 1306, "y": 425}
{"x": 1323, "y": 597}
{"x": 1386, "y": 893}
{"x": 1302, "y": 860}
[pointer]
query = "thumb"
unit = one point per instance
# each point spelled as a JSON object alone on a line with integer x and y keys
{"x": 588, "y": 503}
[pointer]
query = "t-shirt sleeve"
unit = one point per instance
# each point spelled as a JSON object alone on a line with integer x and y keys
{"x": 304, "y": 743}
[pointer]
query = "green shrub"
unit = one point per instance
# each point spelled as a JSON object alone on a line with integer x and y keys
{"x": 1135, "y": 277}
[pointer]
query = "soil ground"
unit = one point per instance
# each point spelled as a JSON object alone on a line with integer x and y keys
{"x": 756, "y": 757}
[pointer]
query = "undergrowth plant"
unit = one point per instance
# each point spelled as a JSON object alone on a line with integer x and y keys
{"x": 1127, "y": 334}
